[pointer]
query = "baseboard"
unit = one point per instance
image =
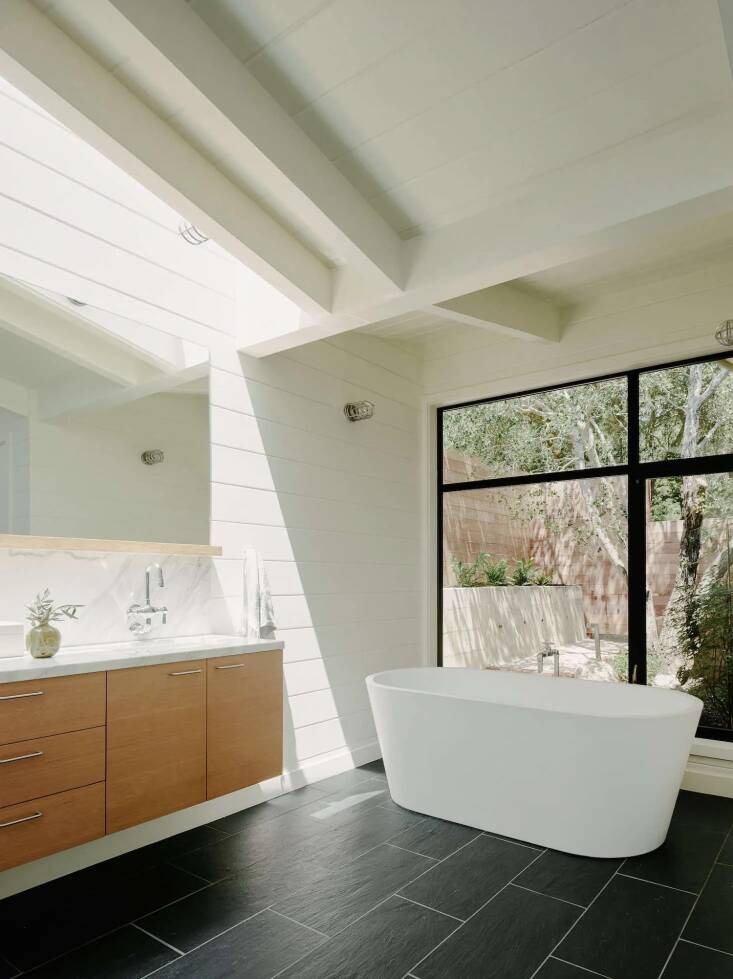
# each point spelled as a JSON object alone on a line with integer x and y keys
{"x": 713, "y": 776}
{"x": 59, "y": 864}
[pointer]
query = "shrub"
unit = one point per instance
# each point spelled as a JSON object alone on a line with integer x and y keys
{"x": 522, "y": 573}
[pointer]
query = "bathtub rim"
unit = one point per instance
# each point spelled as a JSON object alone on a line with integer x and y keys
{"x": 688, "y": 704}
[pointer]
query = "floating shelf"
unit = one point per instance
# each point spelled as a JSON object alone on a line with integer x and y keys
{"x": 93, "y": 544}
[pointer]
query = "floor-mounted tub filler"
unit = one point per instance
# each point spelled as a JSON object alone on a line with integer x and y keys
{"x": 584, "y": 767}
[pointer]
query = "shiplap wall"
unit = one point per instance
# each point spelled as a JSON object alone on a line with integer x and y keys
{"x": 334, "y": 509}
{"x": 87, "y": 478}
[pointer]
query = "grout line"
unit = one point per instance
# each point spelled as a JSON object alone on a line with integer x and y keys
{"x": 506, "y": 839}
{"x": 405, "y": 849}
{"x": 579, "y": 918}
{"x": 581, "y": 967}
{"x": 428, "y": 908}
{"x": 208, "y": 940}
{"x": 155, "y": 938}
{"x": 708, "y": 947}
{"x": 657, "y": 883}
{"x": 485, "y": 904}
{"x": 695, "y": 903}
{"x": 552, "y": 896}
{"x": 287, "y": 917}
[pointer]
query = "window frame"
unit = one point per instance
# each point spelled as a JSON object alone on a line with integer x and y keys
{"x": 637, "y": 474}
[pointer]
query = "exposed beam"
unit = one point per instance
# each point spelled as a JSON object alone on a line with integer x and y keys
{"x": 46, "y": 325}
{"x": 576, "y": 213}
{"x": 233, "y": 112}
{"x": 504, "y": 310}
{"x": 42, "y": 60}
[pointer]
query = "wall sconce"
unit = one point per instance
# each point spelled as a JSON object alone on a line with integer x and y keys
{"x": 191, "y": 234}
{"x": 724, "y": 333}
{"x": 359, "y": 411}
{"x": 151, "y": 457}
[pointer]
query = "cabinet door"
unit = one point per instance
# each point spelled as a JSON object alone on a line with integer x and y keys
{"x": 244, "y": 721}
{"x": 156, "y": 741}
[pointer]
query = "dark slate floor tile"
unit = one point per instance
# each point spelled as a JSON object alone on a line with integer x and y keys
{"x": 712, "y": 812}
{"x": 726, "y": 854}
{"x": 384, "y": 944}
{"x": 320, "y": 836}
{"x": 465, "y": 881}
{"x": 334, "y": 783}
{"x": 7, "y": 971}
{"x": 435, "y": 838}
{"x": 683, "y": 860}
{"x": 571, "y": 878}
{"x": 507, "y": 939}
{"x": 629, "y": 931}
{"x": 257, "y": 949}
{"x": 199, "y": 917}
{"x": 555, "y": 969}
{"x": 164, "y": 851}
{"x": 373, "y": 768}
{"x": 123, "y": 954}
{"x": 50, "y": 920}
{"x": 712, "y": 920}
{"x": 694, "y": 962}
{"x": 297, "y": 798}
{"x": 334, "y": 900}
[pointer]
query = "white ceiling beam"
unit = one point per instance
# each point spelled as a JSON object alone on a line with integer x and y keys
{"x": 47, "y": 325}
{"x": 233, "y": 111}
{"x": 503, "y": 310}
{"x": 58, "y": 73}
{"x": 582, "y": 211}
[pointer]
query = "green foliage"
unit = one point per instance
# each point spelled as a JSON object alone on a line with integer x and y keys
{"x": 666, "y": 502}
{"x": 707, "y": 672}
{"x": 522, "y": 573}
{"x": 43, "y": 610}
{"x": 484, "y": 572}
{"x": 656, "y": 662}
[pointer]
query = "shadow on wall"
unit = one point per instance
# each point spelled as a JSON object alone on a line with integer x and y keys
{"x": 332, "y": 508}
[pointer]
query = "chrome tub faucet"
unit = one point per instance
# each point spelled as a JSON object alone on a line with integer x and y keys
{"x": 548, "y": 650}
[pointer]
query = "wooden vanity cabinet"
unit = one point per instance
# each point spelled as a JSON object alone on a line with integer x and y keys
{"x": 244, "y": 721}
{"x": 156, "y": 741}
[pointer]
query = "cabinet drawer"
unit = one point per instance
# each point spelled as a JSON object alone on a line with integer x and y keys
{"x": 37, "y": 708}
{"x": 30, "y": 769}
{"x": 244, "y": 721}
{"x": 56, "y": 822}
{"x": 156, "y": 741}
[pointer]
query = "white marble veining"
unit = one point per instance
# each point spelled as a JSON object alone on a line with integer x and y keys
{"x": 107, "y": 583}
{"x": 119, "y": 656}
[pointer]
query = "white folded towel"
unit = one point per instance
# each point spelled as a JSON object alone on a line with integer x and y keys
{"x": 258, "y": 614}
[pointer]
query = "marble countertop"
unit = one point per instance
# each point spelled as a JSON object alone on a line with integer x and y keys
{"x": 122, "y": 655}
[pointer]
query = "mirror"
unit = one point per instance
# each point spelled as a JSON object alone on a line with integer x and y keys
{"x": 72, "y": 440}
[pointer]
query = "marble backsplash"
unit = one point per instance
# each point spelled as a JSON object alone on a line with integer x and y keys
{"x": 107, "y": 583}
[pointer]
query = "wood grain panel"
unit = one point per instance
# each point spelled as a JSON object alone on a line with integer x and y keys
{"x": 156, "y": 741}
{"x": 30, "y": 769}
{"x": 38, "y": 708}
{"x": 66, "y": 819}
{"x": 244, "y": 721}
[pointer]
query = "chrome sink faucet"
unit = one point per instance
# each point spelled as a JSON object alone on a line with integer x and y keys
{"x": 142, "y": 618}
{"x": 548, "y": 650}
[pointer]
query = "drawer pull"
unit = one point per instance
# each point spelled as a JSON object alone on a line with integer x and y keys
{"x": 33, "y": 754}
{"x": 20, "y": 696}
{"x": 231, "y": 666}
{"x": 23, "y": 819}
{"x": 185, "y": 672}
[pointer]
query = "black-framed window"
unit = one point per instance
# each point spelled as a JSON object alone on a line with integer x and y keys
{"x": 619, "y": 490}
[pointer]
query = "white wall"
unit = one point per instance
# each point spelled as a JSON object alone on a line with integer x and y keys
{"x": 14, "y": 473}
{"x": 334, "y": 509}
{"x": 87, "y": 479}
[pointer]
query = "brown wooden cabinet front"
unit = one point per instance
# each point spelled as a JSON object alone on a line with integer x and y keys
{"x": 156, "y": 741}
{"x": 244, "y": 721}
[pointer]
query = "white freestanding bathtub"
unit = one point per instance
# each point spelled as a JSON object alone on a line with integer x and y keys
{"x": 586, "y": 767}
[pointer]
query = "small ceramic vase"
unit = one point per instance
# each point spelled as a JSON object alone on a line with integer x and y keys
{"x": 43, "y": 641}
